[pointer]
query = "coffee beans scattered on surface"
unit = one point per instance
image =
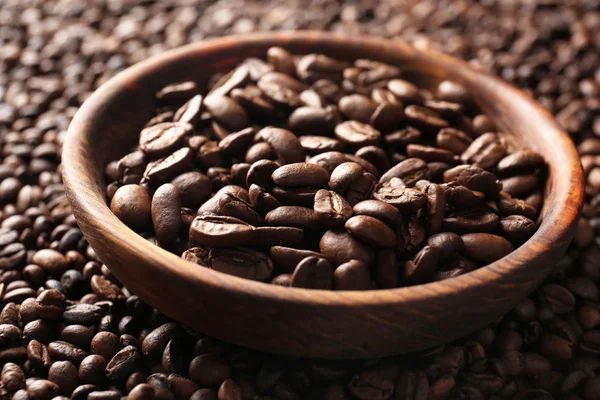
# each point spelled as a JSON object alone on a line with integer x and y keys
{"x": 53, "y": 54}
{"x": 338, "y": 164}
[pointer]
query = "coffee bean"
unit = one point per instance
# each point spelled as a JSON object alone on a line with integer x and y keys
{"x": 339, "y": 247}
{"x": 60, "y": 351}
{"x": 141, "y": 392}
{"x": 91, "y": 369}
{"x": 131, "y": 204}
{"x": 123, "y": 363}
{"x": 83, "y": 314}
{"x": 474, "y": 178}
{"x": 371, "y": 231}
{"x": 294, "y": 216}
{"x": 520, "y": 161}
{"x": 242, "y": 262}
{"x": 371, "y": 385}
{"x": 486, "y": 247}
{"x": 406, "y": 200}
{"x": 194, "y": 188}
{"x": 289, "y": 257}
{"x": 50, "y": 305}
{"x": 42, "y": 389}
{"x": 517, "y": 228}
{"x": 64, "y": 374}
{"x": 164, "y": 138}
{"x": 422, "y": 266}
{"x": 313, "y": 273}
{"x": 300, "y": 174}
{"x": 13, "y": 377}
{"x": 284, "y": 143}
{"x": 557, "y": 297}
{"x": 214, "y": 230}
{"x": 356, "y": 133}
{"x": 209, "y": 370}
{"x": 352, "y": 275}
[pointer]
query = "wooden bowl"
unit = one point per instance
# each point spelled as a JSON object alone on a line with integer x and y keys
{"x": 313, "y": 323}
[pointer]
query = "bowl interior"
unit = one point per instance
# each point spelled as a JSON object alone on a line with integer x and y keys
{"x": 107, "y": 127}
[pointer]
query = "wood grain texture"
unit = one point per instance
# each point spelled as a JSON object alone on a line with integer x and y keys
{"x": 296, "y": 321}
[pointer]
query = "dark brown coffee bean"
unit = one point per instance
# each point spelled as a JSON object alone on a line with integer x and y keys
{"x": 310, "y": 120}
{"x": 285, "y": 144}
{"x": 406, "y": 200}
{"x": 60, "y": 350}
{"x": 213, "y": 230}
{"x": 242, "y": 262}
{"x": 261, "y": 200}
{"x": 288, "y": 257}
{"x": 13, "y": 377}
{"x": 344, "y": 175}
{"x": 190, "y": 112}
{"x": 194, "y": 188}
{"x": 485, "y": 151}
{"x": 278, "y": 235}
{"x": 486, "y": 247}
{"x": 474, "y": 178}
{"x": 380, "y": 210}
{"x": 328, "y": 160}
{"x": 449, "y": 244}
{"x": 37, "y": 354}
{"x": 319, "y": 144}
{"x": 339, "y": 247}
{"x": 358, "y": 134}
{"x": 282, "y": 60}
{"x": 42, "y": 390}
{"x": 64, "y": 374}
{"x": 517, "y": 228}
{"x": 164, "y": 169}
{"x": 453, "y": 140}
{"x": 300, "y": 174}
{"x": 92, "y": 369}
{"x": 352, "y": 275}
{"x": 313, "y": 273}
{"x": 478, "y": 219}
{"x": 424, "y": 119}
{"x": 12, "y": 256}
{"x": 174, "y": 356}
{"x": 166, "y": 213}
{"x": 535, "y": 364}
{"x": 83, "y": 314}
{"x": 162, "y": 139}
{"x": 371, "y": 385}
{"x": 177, "y": 92}
{"x": 226, "y": 111}
{"x": 410, "y": 171}
{"x": 294, "y": 216}
{"x": 386, "y": 270}
{"x": 51, "y": 261}
{"x": 510, "y": 206}
{"x": 371, "y": 231}
{"x": 16, "y": 354}
{"x": 105, "y": 395}
{"x": 557, "y": 297}
{"x": 9, "y": 335}
{"x": 436, "y": 204}
{"x": 50, "y": 305}
{"x": 182, "y": 387}
{"x": 430, "y": 154}
{"x": 131, "y": 204}
{"x": 210, "y": 370}
{"x": 123, "y": 363}
{"x": 407, "y": 92}
{"x": 422, "y": 267}
{"x": 387, "y": 116}
{"x": 357, "y": 107}
{"x": 331, "y": 209}
{"x": 141, "y": 392}
{"x": 105, "y": 344}
{"x": 520, "y": 186}
{"x": 521, "y": 161}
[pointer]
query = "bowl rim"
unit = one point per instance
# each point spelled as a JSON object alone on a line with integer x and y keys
{"x": 86, "y": 200}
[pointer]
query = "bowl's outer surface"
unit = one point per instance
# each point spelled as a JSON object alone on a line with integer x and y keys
{"x": 295, "y": 321}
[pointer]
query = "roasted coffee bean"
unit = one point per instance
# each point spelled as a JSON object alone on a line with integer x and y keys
{"x": 371, "y": 231}
{"x": 486, "y": 247}
{"x": 355, "y": 133}
{"x": 406, "y": 200}
{"x": 294, "y": 216}
{"x": 517, "y": 228}
{"x": 214, "y": 230}
{"x": 519, "y": 162}
{"x": 371, "y": 385}
{"x": 92, "y": 369}
{"x": 520, "y": 186}
{"x": 313, "y": 273}
{"x": 478, "y": 219}
{"x": 284, "y": 143}
{"x": 194, "y": 188}
{"x": 339, "y": 247}
{"x": 60, "y": 350}
{"x": 344, "y": 175}
{"x": 429, "y": 153}
{"x": 50, "y": 305}
{"x": 42, "y": 389}
{"x": 242, "y": 262}
{"x": 164, "y": 169}
{"x": 226, "y": 111}
{"x": 131, "y": 204}
{"x": 288, "y": 257}
{"x": 485, "y": 151}
{"x": 331, "y": 209}
{"x": 352, "y": 275}
{"x": 162, "y": 139}
{"x": 123, "y": 363}
{"x": 410, "y": 171}
{"x": 64, "y": 374}
{"x": 300, "y": 174}
{"x": 474, "y": 178}
{"x": 422, "y": 267}
{"x": 209, "y": 370}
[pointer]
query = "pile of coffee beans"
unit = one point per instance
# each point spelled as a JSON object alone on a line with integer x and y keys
{"x": 53, "y": 54}
{"x": 313, "y": 172}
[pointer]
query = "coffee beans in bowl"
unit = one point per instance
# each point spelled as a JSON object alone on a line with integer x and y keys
{"x": 308, "y": 171}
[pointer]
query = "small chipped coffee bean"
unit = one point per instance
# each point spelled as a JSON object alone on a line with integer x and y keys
{"x": 486, "y": 247}
{"x": 352, "y": 275}
{"x": 300, "y": 174}
{"x": 331, "y": 209}
{"x": 371, "y": 231}
{"x": 313, "y": 273}
{"x": 131, "y": 204}
{"x": 517, "y": 228}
